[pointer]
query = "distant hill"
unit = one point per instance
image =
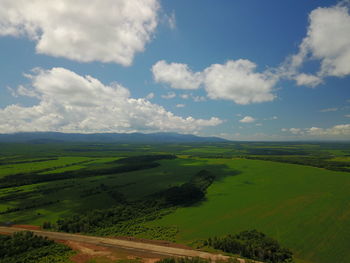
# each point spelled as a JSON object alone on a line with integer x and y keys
{"x": 161, "y": 137}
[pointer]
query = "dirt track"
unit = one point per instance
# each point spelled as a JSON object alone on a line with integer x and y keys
{"x": 126, "y": 244}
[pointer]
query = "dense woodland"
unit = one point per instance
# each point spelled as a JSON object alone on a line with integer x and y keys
{"x": 28, "y": 248}
{"x": 252, "y": 244}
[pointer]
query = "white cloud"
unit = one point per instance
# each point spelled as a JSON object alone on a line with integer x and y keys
{"x": 180, "y": 105}
{"x": 247, "y": 119}
{"x": 23, "y": 91}
{"x": 97, "y": 30}
{"x": 177, "y": 75}
{"x": 169, "y": 95}
{"x": 150, "y": 96}
{"x": 347, "y": 115}
{"x": 337, "y": 130}
{"x": 308, "y": 80}
{"x": 198, "y": 98}
{"x": 341, "y": 131}
{"x": 238, "y": 81}
{"x": 193, "y": 97}
{"x": 327, "y": 41}
{"x": 295, "y": 130}
{"x": 329, "y": 110}
{"x": 69, "y": 102}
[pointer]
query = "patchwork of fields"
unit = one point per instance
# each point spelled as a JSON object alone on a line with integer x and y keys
{"x": 305, "y": 208}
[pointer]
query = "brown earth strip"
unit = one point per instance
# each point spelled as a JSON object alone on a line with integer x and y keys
{"x": 132, "y": 246}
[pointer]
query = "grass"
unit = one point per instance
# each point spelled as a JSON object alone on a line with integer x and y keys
{"x": 31, "y": 166}
{"x": 305, "y": 208}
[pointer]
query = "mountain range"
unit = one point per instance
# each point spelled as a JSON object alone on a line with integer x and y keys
{"x": 160, "y": 137}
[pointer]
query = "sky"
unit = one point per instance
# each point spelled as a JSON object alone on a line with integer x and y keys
{"x": 242, "y": 70}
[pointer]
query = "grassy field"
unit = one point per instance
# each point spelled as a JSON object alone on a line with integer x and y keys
{"x": 304, "y": 207}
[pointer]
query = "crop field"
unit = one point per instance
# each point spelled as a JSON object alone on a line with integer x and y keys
{"x": 296, "y": 193}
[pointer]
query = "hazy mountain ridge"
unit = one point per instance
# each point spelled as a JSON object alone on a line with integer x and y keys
{"x": 161, "y": 137}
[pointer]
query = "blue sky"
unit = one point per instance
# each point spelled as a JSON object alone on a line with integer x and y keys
{"x": 243, "y": 70}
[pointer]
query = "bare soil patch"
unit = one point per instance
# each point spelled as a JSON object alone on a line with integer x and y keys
{"x": 27, "y": 227}
{"x": 87, "y": 252}
{"x": 155, "y": 242}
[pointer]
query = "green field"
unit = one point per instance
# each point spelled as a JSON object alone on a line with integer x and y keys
{"x": 305, "y": 207}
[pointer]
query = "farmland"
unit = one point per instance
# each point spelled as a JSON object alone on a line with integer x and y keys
{"x": 295, "y": 192}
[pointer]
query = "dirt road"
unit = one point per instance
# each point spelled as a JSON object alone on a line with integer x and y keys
{"x": 126, "y": 244}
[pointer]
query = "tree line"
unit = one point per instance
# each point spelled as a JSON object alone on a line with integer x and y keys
{"x": 252, "y": 244}
{"x": 29, "y": 248}
{"x": 320, "y": 162}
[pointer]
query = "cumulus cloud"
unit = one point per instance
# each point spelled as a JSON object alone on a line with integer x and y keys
{"x": 177, "y": 75}
{"x": 180, "y": 105}
{"x": 308, "y": 80}
{"x": 341, "y": 131}
{"x": 295, "y": 130}
{"x": 238, "y": 81}
{"x": 235, "y": 80}
{"x": 68, "y": 102}
{"x": 247, "y": 119}
{"x": 97, "y": 30}
{"x": 169, "y": 95}
{"x": 327, "y": 41}
{"x": 337, "y": 130}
